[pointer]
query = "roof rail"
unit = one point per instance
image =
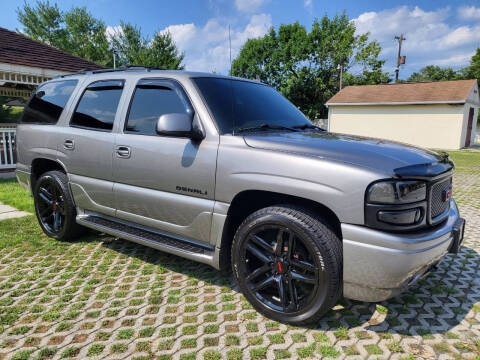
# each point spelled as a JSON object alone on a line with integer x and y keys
{"x": 101, "y": 71}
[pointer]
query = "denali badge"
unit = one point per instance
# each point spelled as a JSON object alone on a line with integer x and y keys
{"x": 187, "y": 189}
{"x": 447, "y": 194}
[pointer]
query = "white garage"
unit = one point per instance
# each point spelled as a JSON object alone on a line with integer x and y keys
{"x": 440, "y": 115}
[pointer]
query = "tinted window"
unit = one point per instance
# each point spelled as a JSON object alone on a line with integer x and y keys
{"x": 152, "y": 99}
{"x": 48, "y": 101}
{"x": 98, "y": 105}
{"x": 239, "y": 104}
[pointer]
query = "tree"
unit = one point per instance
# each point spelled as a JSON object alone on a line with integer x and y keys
{"x": 304, "y": 66}
{"x": 78, "y": 32}
{"x": 75, "y": 31}
{"x": 473, "y": 70}
{"x": 86, "y": 36}
{"x": 134, "y": 49}
{"x": 43, "y": 22}
{"x": 434, "y": 73}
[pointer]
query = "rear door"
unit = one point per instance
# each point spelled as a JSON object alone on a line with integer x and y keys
{"x": 37, "y": 133}
{"x": 86, "y": 147}
{"x": 164, "y": 182}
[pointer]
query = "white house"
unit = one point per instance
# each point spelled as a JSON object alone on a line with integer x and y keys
{"x": 441, "y": 115}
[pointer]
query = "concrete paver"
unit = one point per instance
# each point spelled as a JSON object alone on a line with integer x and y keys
{"x": 8, "y": 212}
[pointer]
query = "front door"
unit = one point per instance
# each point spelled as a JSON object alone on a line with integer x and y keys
{"x": 86, "y": 147}
{"x": 163, "y": 182}
{"x": 469, "y": 128}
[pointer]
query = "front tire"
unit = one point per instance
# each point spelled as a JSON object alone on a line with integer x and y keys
{"x": 288, "y": 264}
{"x": 54, "y": 206}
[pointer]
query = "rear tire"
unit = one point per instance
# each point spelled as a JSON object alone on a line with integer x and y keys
{"x": 54, "y": 207}
{"x": 288, "y": 263}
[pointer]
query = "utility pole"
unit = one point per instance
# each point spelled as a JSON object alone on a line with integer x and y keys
{"x": 340, "y": 67}
{"x": 400, "y": 59}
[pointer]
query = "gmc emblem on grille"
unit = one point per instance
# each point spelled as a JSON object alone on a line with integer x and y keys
{"x": 447, "y": 194}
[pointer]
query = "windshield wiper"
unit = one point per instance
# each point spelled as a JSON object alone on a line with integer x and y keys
{"x": 266, "y": 127}
{"x": 308, "y": 126}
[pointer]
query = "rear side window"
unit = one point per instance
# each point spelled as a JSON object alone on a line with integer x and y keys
{"x": 97, "y": 108}
{"x": 152, "y": 99}
{"x": 48, "y": 101}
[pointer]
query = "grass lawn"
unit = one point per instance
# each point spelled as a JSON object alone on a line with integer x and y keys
{"x": 11, "y": 193}
{"x": 467, "y": 170}
{"x": 466, "y": 161}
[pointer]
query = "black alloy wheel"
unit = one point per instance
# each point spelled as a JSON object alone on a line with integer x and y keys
{"x": 54, "y": 207}
{"x": 51, "y": 205}
{"x": 282, "y": 272}
{"x": 288, "y": 264}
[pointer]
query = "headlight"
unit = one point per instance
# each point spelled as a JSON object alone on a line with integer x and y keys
{"x": 397, "y": 192}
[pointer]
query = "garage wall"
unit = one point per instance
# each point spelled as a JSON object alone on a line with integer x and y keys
{"x": 431, "y": 126}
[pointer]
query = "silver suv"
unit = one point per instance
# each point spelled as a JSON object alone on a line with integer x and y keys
{"x": 227, "y": 172}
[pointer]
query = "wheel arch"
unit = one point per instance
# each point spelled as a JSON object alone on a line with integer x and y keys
{"x": 41, "y": 166}
{"x": 246, "y": 202}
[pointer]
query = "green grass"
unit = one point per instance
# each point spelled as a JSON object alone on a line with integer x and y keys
{"x": 11, "y": 193}
{"x": 12, "y": 116}
{"x": 95, "y": 349}
{"x": 465, "y": 160}
{"x": 234, "y": 354}
{"x": 328, "y": 351}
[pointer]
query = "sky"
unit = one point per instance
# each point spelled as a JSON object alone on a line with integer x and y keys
{"x": 439, "y": 32}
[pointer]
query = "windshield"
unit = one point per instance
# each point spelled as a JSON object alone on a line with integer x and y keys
{"x": 237, "y": 104}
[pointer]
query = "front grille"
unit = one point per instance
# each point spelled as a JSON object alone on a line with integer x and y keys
{"x": 438, "y": 202}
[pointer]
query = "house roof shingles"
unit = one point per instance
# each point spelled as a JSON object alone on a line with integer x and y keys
{"x": 18, "y": 49}
{"x": 427, "y": 92}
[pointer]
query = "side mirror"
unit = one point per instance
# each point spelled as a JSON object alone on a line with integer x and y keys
{"x": 175, "y": 124}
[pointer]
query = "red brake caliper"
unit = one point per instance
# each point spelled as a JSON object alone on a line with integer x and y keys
{"x": 279, "y": 266}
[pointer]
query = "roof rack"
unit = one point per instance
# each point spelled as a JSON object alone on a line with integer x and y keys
{"x": 101, "y": 71}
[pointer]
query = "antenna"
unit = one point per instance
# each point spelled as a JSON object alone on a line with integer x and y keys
{"x": 230, "y": 45}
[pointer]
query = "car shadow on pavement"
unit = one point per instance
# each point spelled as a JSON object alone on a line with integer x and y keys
{"x": 435, "y": 305}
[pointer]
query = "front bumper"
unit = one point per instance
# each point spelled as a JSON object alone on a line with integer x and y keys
{"x": 378, "y": 265}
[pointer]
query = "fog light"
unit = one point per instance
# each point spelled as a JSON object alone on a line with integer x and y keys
{"x": 402, "y": 217}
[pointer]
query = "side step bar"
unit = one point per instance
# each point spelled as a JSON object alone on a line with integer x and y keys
{"x": 201, "y": 253}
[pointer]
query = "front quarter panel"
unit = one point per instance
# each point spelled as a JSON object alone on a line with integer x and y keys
{"x": 336, "y": 185}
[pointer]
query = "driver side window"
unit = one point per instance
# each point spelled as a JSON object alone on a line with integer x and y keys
{"x": 152, "y": 99}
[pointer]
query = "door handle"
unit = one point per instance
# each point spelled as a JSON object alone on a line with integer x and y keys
{"x": 123, "y": 152}
{"x": 69, "y": 144}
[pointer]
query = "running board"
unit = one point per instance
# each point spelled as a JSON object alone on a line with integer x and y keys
{"x": 201, "y": 253}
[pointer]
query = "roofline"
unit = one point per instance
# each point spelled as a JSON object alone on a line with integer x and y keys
{"x": 412, "y": 83}
{"x": 400, "y": 103}
{"x": 52, "y": 47}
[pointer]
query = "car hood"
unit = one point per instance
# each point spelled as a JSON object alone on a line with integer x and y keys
{"x": 387, "y": 156}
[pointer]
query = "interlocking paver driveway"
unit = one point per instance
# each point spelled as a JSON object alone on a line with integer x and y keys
{"x": 106, "y": 298}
